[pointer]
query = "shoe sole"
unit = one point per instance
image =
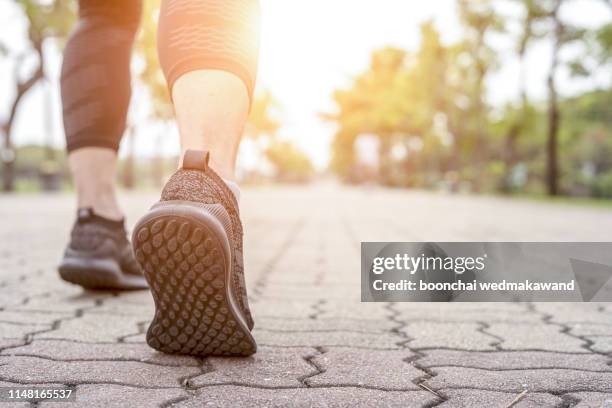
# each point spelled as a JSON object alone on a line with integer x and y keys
{"x": 185, "y": 255}
{"x": 98, "y": 274}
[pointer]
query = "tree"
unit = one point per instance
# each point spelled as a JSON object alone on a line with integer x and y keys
{"x": 381, "y": 101}
{"x": 46, "y": 19}
{"x": 562, "y": 34}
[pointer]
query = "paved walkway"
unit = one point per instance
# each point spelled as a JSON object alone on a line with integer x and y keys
{"x": 318, "y": 345}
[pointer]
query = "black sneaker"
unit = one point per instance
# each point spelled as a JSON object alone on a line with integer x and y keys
{"x": 99, "y": 255}
{"x": 190, "y": 248}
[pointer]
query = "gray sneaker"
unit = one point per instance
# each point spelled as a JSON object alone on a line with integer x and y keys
{"x": 190, "y": 248}
{"x": 99, "y": 255}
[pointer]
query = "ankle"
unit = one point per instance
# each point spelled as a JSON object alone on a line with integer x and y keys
{"x": 103, "y": 202}
{"x": 94, "y": 170}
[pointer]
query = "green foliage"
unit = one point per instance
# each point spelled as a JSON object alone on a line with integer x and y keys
{"x": 437, "y": 96}
{"x": 602, "y": 186}
{"x": 48, "y": 18}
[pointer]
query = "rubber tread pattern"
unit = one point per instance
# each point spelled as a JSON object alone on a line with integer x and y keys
{"x": 184, "y": 264}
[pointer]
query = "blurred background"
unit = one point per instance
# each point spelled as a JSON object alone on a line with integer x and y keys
{"x": 481, "y": 96}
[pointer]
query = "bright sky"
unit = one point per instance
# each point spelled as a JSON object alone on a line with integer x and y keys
{"x": 309, "y": 49}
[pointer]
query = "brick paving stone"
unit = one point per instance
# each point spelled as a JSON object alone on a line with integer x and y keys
{"x": 345, "y": 397}
{"x": 95, "y": 327}
{"x": 464, "y": 336}
{"x": 267, "y": 368}
{"x": 542, "y": 337}
{"x": 74, "y": 351}
{"x": 327, "y": 339}
{"x": 39, "y": 370}
{"x": 541, "y": 380}
{"x": 119, "y": 396}
{"x": 479, "y": 398}
{"x": 310, "y": 325}
{"x": 18, "y": 331}
{"x": 513, "y": 360}
{"x": 592, "y": 399}
{"x": 370, "y": 368}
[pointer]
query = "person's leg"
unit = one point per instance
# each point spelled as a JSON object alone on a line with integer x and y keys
{"x": 96, "y": 91}
{"x": 95, "y": 84}
{"x": 94, "y": 170}
{"x": 211, "y": 110}
{"x": 190, "y": 243}
{"x": 208, "y": 50}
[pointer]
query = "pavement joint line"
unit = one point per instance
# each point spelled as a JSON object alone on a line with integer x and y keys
{"x": 565, "y": 329}
{"x": 312, "y": 387}
{"x": 556, "y": 393}
{"x": 83, "y": 360}
{"x": 310, "y": 361}
{"x": 586, "y": 352}
{"x": 205, "y": 368}
{"x": 317, "y": 307}
{"x": 569, "y": 400}
{"x": 76, "y": 384}
{"x": 483, "y": 326}
{"x": 503, "y": 391}
{"x": 55, "y": 324}
{"x": 413, "y": 359}
{"x": 518, "y": 369}
{"x": 141, "y": 330}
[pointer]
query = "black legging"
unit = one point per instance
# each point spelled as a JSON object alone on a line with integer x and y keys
{"x": 192, "y": 35}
